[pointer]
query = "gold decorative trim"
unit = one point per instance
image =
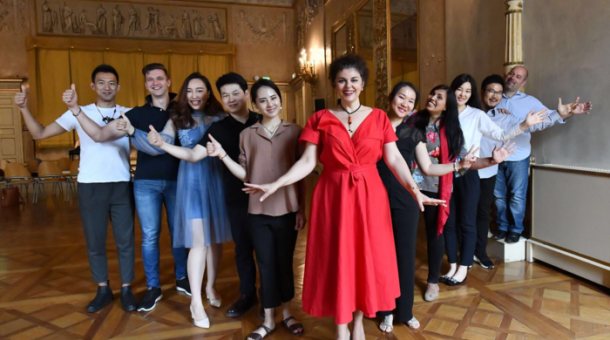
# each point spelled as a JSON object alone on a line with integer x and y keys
{"x": 129, "y": 45}
{"x": 513, "y": 63}
{"x": 381, "y": 53}
{"x": 514, "y": 11}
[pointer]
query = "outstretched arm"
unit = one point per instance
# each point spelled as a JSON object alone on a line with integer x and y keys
{"x": 303, "y": 167}
{"x": 139, "y": 138}
{"x": 433, "y": 170}
{"x": 491, "y": 130}
{"x": 215, "y": 150}
{"x": 190, "y": 155}
{"x": 96, "y": 132}
{"x": 498, "y": 156}
{"x": 399, "y": 167}
{"x": 37, "y": 130}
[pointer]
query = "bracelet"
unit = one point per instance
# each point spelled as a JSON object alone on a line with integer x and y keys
{"x": 414, "y": 188}
{"x": 455, "y": 166}
{"x": 79, "y": 112}
{"x": 131, "y": 135}
{"x": 223, "y": 157}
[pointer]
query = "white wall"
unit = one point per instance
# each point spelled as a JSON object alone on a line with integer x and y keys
{"x": 567, "y": 51}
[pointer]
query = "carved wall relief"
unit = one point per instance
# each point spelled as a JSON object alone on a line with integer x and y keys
{"x": 305, "y": 16}
{"x": 380, "y": 53}
{"x": 351, "y": 34}
{"x": 86, "y": 18}
{"x": 262, "y": 28}
{"x": 13, "y": 17}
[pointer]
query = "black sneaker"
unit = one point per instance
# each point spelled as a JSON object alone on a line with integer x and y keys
{"x": 241, "y": 306}
{"x": 500, "y": 235}
{"x": 184, "y": 286}
{"x": 484, "y": 261}
{"x": 128, "y": 301}
{"x": 149, "y": 302}
{"x": 102, "y": 299}
{"x": 512, "y": 237}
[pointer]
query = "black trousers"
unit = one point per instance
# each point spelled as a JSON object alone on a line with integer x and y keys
{"x": 486, "y": 199}
{"x": 97, "y": 202}
{"x": 404, "y": 223}
{"x": 436, "y": 243}
{"x": 274, "y": 239}
{"x": 466, "y": 191}
{"x": 244, "y": 250}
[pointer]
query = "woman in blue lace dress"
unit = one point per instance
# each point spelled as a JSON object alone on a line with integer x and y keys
{"x": 201, "y": 216}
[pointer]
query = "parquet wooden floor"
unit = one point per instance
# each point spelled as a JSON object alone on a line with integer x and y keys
{"x": 45, "y": 285}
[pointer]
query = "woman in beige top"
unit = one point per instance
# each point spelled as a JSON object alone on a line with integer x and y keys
{"x": 269, "y": 149}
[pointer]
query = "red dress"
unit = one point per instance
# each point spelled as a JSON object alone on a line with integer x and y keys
{"x": 350, "y": 262}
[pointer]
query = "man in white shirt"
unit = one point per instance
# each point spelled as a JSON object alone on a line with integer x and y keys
{"x": 104, "y": 188}
{"x": 512, "y": 175}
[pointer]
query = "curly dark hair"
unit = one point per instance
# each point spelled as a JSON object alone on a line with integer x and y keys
{"x": 181, "y": 112}
{"x": 346, "y": 62}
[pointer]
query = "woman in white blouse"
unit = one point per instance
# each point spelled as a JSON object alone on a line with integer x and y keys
{"x": 466, "y": 188}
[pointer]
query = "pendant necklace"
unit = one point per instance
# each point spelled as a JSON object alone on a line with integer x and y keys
{"x": 272, "y": 132}
{"x": 349, "y": 117}
{"x": 106, "y": 119}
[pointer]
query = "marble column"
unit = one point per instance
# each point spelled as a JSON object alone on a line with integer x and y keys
{"x": 514, "y": 40}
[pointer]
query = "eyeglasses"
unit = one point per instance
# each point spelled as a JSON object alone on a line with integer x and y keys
{"x": 493, "y": 93}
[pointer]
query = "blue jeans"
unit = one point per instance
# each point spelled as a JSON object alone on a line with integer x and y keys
{"x": 510, "y": 194}
{"x": 149, "y": 197}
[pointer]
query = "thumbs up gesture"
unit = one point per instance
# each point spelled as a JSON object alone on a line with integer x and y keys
{"x": 123, "y": 124}
{"x": 21, "y": 98}
{"x": 70, "y": 98}
{"x": 214, "y": 148}
{"x": 154, "y": 138}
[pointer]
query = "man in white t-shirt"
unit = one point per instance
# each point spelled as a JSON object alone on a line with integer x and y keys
{"x": 104, "y": 185}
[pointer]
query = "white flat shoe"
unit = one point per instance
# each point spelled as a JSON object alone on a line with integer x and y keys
{"x": 205, "y": 323}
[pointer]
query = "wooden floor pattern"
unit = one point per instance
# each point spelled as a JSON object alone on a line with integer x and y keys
{"x": 45, "y": 285}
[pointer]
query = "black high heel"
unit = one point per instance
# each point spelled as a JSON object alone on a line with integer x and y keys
{"x": 453, "y": 282}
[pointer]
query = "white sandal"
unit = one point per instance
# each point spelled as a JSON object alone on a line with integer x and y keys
{"x": 411, "y": 323}
{"x": 386, "y": 325}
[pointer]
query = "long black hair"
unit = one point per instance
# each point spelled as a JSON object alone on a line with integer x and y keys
{"x": 475, "y": 100}
{"x": 449, "y": 120}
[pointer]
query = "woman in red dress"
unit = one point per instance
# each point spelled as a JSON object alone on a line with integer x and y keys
{"x": 350, "y": 259}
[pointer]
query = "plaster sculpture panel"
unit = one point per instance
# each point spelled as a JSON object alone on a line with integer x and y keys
{"x": 115, "y": 19}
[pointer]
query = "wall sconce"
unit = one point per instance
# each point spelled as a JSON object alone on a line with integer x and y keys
{"x": 308, "y": 67}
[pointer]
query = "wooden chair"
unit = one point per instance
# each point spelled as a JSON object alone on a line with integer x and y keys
{"x": 17, "y": 175}
{"x": 3, "y": 164}
{"x": 64, "y": 164}
{"x": 49, "y": 172}
{"x": 33, "y": 167}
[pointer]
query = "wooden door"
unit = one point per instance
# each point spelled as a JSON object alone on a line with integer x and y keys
{"x": 11, "y": 145}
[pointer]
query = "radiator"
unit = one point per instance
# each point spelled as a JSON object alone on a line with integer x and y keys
{"x": 570, "y": 220}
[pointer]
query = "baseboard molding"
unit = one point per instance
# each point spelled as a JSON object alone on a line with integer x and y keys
{"x": 589, "y": 269}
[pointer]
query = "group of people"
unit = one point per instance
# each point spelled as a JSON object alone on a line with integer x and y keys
{"x": 226, "y": 173}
